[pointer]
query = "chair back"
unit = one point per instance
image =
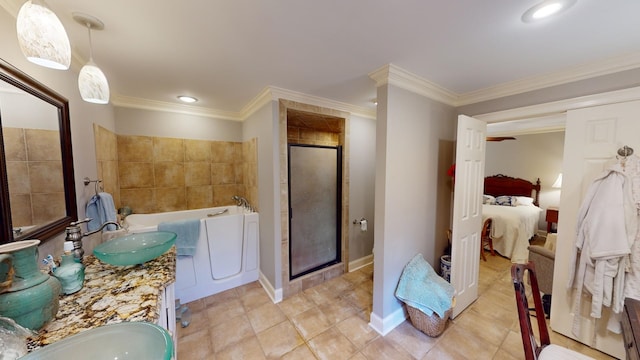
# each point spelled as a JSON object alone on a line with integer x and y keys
{"x": 531, "y": 347}
{"x": 486, "y": 228}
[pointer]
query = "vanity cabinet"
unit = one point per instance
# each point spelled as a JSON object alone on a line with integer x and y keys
{"x": 113, "y": 294}
{"x": 168, "y": 314}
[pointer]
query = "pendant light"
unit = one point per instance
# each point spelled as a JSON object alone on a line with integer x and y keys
{"x": 92, "y": 83}
{"x": 42, "y": 37}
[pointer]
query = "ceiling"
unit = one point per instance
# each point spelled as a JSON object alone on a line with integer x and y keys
{"x": 226, "y": 52}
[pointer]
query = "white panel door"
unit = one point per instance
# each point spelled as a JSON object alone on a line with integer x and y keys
{"x": 592, "y": 138}
{"x": 467, "y": 210}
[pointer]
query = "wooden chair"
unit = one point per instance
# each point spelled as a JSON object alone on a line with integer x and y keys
{"x": 533, "y": 350}
{"x": 485, "y": 238}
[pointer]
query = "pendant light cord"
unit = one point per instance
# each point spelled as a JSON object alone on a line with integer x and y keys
{"x": 90, "y": 43}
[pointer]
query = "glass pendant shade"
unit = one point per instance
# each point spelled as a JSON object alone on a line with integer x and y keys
{"x": 93, "y": 85}
{"x": 42, "y": 37}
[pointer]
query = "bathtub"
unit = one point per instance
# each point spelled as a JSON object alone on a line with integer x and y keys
{"x": 227, "y": 253}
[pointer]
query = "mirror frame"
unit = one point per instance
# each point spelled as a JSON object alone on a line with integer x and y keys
{"x": 24, "y": 82}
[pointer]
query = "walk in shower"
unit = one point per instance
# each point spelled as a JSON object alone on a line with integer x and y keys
{"x": 315, "y": 178}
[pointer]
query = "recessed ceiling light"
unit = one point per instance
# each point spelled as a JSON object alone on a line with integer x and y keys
{"x": 187, "y": 99}
{"x": 546, "y": 9}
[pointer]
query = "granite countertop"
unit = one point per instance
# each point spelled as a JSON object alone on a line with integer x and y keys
{"x": 111, "y": 294}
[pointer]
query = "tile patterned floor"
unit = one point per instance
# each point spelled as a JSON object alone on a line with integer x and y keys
{"x": 330, "y": 321}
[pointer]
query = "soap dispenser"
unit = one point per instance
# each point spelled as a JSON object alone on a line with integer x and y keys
{"x": 70, "y": 272}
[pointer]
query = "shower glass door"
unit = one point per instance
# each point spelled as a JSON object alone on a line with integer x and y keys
{"x": 315, "y": 179}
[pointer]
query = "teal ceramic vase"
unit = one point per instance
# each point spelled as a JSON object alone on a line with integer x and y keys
{"x": 27, "y": 295}
{"x": 70, "y": 274}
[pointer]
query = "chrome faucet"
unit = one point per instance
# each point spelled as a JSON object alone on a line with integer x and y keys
{"x": 240, "y": 201}
{"x": 75, "y": 235}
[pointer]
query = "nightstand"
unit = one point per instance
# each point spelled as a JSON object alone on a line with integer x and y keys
{"x": 552, "y": 217}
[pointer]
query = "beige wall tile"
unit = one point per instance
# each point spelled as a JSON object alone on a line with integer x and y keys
{"x": 15, "y": 148}
{"x": 18, "y": 177}
{"x": 171, "y": 199}
{"x": 135, "y": 148}
{"x": 109, "y": 176}
{"x": 43, "y": 145}
{"x": 168, "y": 149}
{"x": 222, "y": 194}
{"x": 48, "y": 207}
{"x": 46, "y": 176}
{"x": 21, "y": 214}
{"x": 222, "y": 152}
{"x": 135, "y": 175}
{"x": 141, "y": 201}
{"x": 169, "y": 174}
{"x": 197, "y": 173}
{"x": 197, "y": 150}
{"x": 106, "y": 144}
{"x": 199, "y": 197}
{"x": 223, "y": 174}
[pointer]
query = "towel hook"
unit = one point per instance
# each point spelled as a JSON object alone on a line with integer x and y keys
{"x": 97, "y": 182}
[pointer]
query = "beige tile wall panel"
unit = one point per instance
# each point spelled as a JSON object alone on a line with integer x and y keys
{"x": 141, "y": 201}
{"x": 169, "y": 174}
{"x": 48, "y": 207}
{"x": 14, "y": 144}
{"x": 43, "y": 145}
{"x": 197, "y": 173}
{"x": 199, "y": 197}
{"x": 171, "y": 199}
{"x": 222, "y": 194}
{"x": 46, "y": 176}
{"x": 222, "y": 152}
{"x": 135, "y": 148}
{"x": 135, "y": 175}
{"x": 197, "y": 150}
{"x": 18, "y": 176}
{"x": 168, "y": 149}
{"x": 21, "y": 213}
{"x": 223, "y": 174}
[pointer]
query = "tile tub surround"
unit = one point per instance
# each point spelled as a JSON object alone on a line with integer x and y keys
{"x": 111, "y": 294}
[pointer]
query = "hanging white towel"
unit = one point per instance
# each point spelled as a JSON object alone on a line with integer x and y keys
{"x": 101, "y": 209}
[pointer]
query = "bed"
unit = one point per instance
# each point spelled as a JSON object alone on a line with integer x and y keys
{"x": 515, "y": 221}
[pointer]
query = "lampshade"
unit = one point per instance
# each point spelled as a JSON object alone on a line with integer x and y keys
{"x": 93, "y": 85}
{"x": 558, "y": 183}
{"x": 42, "y": 37}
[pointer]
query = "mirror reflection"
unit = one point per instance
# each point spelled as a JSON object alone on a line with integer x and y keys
{"x": 37, "y": 191}
{"x": 33, "y": 159}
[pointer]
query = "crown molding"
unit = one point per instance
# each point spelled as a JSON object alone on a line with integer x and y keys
{"x": 145, "y": 104}
{"x": 267, "y": 95}
{"x": 561, "y": 106}
{"x": 394, "y": 75}
{"x": 575, "y": 73}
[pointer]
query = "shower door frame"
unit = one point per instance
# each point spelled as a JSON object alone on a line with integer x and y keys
{"x": 338, "y": 219}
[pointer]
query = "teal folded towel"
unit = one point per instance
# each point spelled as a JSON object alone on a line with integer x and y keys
{"x": 420, "y": 287}
{"x": 187, "y": 231}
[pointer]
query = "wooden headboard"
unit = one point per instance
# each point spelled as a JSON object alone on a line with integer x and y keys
{"x": 497, "y": 185}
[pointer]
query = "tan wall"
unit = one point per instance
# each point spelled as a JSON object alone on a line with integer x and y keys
{"x": 157, "y": 174}
{"x": 34, "y": 170}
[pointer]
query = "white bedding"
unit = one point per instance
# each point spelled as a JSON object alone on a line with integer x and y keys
{"x": 512, "y": 228}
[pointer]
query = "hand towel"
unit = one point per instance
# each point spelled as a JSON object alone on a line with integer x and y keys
{"x": 187, "y": 231}
{"x": 420, "y": 287}
{"x": 101, "y": 209}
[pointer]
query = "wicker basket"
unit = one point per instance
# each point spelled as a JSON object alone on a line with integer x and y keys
{"x": 431, "y": 325}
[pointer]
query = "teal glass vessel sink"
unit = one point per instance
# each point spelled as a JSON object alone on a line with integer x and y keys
{"x": 136, "y": 248}
{"x": 122, "y": 341}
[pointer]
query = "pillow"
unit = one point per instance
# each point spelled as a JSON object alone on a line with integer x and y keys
{"x": 506, "y": 200}
{"x": 488, "y": 200}
{"x": 523, "y": 201}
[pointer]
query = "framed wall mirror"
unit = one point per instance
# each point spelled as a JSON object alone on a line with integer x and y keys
{"x": 37, "y": 189}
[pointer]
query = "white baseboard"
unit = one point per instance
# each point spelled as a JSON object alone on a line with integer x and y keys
{"x": 359, "y": 263}
{"x": 384, "y": 326}
{"x": 274, "y": 294}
